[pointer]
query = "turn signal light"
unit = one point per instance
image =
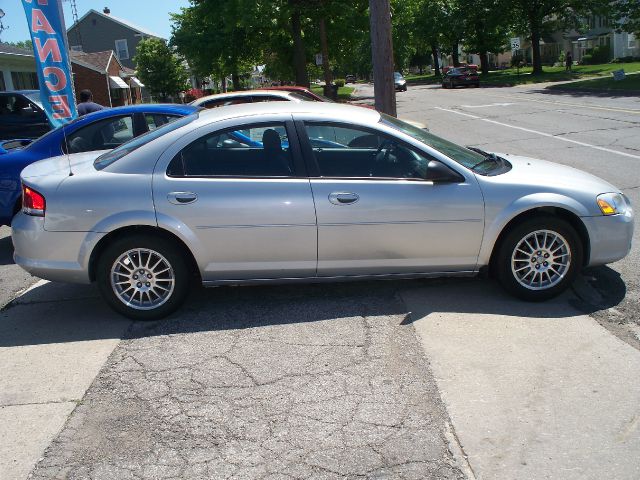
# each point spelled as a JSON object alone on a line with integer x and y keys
{"x": 33, "y": 203}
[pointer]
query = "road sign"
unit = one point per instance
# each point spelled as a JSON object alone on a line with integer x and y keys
{"x": 515, "y": 43}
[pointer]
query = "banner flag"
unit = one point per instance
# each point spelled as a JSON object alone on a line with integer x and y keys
{"x": 50, "y": 48}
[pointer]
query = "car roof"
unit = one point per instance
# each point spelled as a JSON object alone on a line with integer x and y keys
{"x": 243, "y": 93}
{"x": 22, "y": 92}
{"x": 143, "y": 107}
{"x": 336, "y": 110}
{"x": 287, "y": 88}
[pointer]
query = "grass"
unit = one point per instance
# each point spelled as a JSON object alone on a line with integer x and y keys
{"x": 630, "y": 83}
{"x": 550, "y": 74}
{"x": 344, "y": 93}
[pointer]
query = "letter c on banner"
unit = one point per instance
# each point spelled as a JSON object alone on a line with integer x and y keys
{"x": 60, "y": 78}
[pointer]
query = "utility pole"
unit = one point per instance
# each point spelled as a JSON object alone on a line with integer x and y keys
{"x": 382, "y": 56}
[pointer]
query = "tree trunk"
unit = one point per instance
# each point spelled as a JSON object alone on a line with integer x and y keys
{"x": 223, "y": 84}
{"x": 299, "y": 59}
{"x": 325, "y": 53}
{"x": 484, "y": 62}
{"x": 535, "y": 49}
{"x": 436, "y": 60}
{"x": 454, "y": 54}
{"x": 235, "y": 78}
{"x": 382, "y": 56}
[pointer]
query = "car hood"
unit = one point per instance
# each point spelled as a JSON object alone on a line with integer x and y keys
{"x": 541, "y": 173}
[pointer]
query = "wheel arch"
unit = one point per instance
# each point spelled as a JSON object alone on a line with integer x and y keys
{"x": 570, "y": 217}
{"x": 141, "y": 230}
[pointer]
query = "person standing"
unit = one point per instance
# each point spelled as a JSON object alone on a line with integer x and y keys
{"x": 568, "y": 61}
{"x": 86, "y": 104}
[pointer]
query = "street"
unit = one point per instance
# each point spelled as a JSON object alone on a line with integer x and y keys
{"x": 442, "y": 379}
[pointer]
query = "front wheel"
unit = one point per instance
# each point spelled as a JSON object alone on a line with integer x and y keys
{"x": 143, "y": 277}
{"x": 539, "y": 258}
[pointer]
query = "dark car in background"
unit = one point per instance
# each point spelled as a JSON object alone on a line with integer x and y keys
{"x": 399, "y": 82}
{"x": 22, "y": 115}
{"x": 461, "y": 76}
{"x": 350, "y": 79}
{"x": 101, "y": 130}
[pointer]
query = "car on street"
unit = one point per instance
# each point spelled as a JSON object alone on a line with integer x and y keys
{"x": 350, "y": 79}
{"x": 399, "y": 82}
{"x": 101, "y": 130}
{"x": 22, "y": 115}
{"x": 472, "y": 66}
{"x": 316, "y": 192}
{"x": 250, "y": 96}
{"x": 464, "y": 76}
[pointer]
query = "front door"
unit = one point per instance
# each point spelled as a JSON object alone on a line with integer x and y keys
{"x": 237, "y": 196}
{"x": 378, "y": 215}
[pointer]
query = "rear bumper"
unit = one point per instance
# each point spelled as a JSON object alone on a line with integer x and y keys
{"x": 610, "y": 237}
{"x": 57, "y": 256}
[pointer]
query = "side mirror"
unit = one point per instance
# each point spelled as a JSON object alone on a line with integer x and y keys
{"x": 438, "y": 172}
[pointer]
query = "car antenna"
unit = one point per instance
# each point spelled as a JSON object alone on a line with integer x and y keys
{"x": 66, "y": 148}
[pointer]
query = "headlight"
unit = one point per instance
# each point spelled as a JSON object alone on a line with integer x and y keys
{"x": 613, "y": 204}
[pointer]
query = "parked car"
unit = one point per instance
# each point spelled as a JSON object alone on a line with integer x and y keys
{"x": 101, "y": 130}
{"x": 305, "y": 92}
{"x": 399, "y": 82}
{"x": 461, "y": 76}
{"x": 381, "y": 198}
{"x": 350, "y": 79}
{"x": 22, "y": 115}
{"x": 250, "y": 96}
{"x": 472, "y": 66}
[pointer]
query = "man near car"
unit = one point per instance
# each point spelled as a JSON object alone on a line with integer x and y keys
{"x": 86, "y": 104}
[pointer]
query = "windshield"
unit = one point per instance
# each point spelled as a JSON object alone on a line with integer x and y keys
{"x": 397, "y": 76}
{"x": 462, "y": 155}
{"x": 126, "y": 148}
{"x": 35, "y": 98}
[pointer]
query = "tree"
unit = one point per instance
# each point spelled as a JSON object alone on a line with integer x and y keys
{"x": 160, "y": 69}
{"x": 627, "y": 15}
{"x": 26, "y": 44}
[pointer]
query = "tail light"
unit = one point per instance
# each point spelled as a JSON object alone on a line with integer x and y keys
{"x": 33, "y": 203}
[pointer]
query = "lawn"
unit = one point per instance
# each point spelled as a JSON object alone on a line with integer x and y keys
{"x": 631, "y": 83}
{"x": 344, "y": 93}
{"x": 550, "y": 74}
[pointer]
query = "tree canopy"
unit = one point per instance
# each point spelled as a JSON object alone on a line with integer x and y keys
{"x": 163, "y": 73}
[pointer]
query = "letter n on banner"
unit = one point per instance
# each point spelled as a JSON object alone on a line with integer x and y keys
{"x": 50, "y": 48}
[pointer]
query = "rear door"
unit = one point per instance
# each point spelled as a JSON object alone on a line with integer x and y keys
{"x": 239, "y": 194}
{"x": 377, "y": 213}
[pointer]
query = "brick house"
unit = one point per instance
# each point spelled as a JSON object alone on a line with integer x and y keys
{"x": 101, "y": 72}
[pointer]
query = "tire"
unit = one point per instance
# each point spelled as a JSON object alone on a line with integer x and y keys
{"x": 532, "y": 277}
{"x": 167, "y": 289}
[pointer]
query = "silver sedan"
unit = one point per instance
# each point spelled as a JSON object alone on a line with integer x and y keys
{"x": 284, "y": 191}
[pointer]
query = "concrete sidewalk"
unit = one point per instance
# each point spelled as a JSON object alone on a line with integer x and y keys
{"x": 54, "y": 339}
{"x": 533, "y": 390}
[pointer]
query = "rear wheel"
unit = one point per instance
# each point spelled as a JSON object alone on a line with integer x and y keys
{"x": 142, "y": 277}
{"x": 539, "y": 258}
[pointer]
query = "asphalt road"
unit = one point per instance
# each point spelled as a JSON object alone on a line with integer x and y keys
{"x": 415, "y": 379}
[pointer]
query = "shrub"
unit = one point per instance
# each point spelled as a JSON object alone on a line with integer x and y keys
{"x": 597, "y": 55}
{"x": 339, "y": 82}
{"x": 517, "y": 59}
{"x": 587, "y": 59}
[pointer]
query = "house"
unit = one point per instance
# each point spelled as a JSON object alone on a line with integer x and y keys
{"x": 111, "y": 83}
{"x": 17, "y": 68}
{"x": 101, "y": 31}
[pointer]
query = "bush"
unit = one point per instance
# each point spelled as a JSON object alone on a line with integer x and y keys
{"x": 339, "y": 82}
{"x": 597, "y": 55}
{"x": 517, "y": 59}
{"x": 587, "y": 59}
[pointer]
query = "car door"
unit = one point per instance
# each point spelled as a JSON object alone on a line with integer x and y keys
{"x": 238, "y": 192}
{"x": 378, "y": 214}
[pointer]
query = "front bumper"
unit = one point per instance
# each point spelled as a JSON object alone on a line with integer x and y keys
{"x": 57, "y": 256}
{"x": 610, "y": 237}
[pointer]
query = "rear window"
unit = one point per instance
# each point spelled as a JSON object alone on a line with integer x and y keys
{"x": 116, "y": 154}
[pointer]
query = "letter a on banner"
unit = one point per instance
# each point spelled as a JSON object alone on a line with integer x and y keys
{"x": 50, "y": 48}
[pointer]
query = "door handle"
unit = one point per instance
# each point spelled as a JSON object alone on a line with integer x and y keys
{"x": 182, "y": 198}
{"x": 343, "y": 198}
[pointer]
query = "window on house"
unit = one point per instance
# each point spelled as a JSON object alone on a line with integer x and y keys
{"x": 76, "y": 48}
{"x": 24, "y": 80}
{"x": 122, "y": 49}
{"x": 632, "y": 40}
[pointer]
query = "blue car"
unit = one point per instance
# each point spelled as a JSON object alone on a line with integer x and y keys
{"x": 101, "y": 130}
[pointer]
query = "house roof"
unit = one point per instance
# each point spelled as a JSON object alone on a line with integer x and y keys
{"x": 11, "y": 50}
{"x": 97, "y": 61}
{"x": 125, "y": 23}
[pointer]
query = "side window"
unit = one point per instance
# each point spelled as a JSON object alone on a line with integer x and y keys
{"x": 122, "y": 49}
{"x": 101, "y": 135}
{"x": 223, "y": 102}
{"x": 253, "y": 151}
{"x": 155, "y": 120}
{"x": 358, "y": 153}
{"x": 267, "y": 98}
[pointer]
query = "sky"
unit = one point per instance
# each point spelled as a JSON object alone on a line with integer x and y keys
{"x": 152, "y": 15}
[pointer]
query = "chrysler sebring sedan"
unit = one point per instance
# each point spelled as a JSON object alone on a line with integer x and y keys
{"x": 284, "y": 191}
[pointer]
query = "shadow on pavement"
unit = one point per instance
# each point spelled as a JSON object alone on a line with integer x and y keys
{"x": 558, "y": 91}
{"x": 6, "y": 251}
{"x": 56, "y": 313}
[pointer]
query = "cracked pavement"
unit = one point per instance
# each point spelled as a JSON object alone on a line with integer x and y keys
{"x": 274, "y": 383}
